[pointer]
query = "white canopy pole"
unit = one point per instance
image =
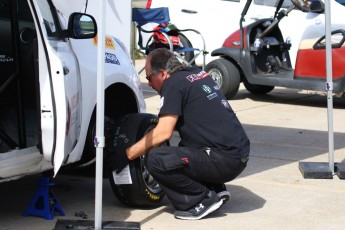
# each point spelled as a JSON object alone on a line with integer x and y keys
{"x": 99, "y": 140}
{"x": 329, "y": 84}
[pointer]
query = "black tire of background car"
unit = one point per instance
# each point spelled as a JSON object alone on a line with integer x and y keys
{"x": 228, "y": 73}
{"x": 257, "y": 89}
{"x": 144, "y": 190}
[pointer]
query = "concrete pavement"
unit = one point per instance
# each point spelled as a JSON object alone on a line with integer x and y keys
{"x": 285, "y": 127}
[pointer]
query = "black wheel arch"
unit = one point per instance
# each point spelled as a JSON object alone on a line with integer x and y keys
{"x": 232, "y": 55}
{"x": 229, "y": 53}
{"x": 114, "y": 108}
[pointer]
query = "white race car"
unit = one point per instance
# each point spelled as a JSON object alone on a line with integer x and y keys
{"x": 48, "y": 95}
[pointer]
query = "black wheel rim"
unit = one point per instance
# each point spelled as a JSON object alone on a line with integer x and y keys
{"x": 149, "y": 181}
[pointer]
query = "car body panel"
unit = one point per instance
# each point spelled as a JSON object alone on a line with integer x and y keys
{"x": 67, "y": 74}
{"x": 64, "y": 80}
{"x": 311, "y": 62}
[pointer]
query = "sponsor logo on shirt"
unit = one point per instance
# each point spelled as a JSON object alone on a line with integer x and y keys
{"x": 197, "y": 76}
{"x": 225, "y": 103}
{"x": 207, "y": 89}
{"x": 212, "y": 95}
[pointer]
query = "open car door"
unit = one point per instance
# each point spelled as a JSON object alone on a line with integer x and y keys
{"x": 60, "y": 86}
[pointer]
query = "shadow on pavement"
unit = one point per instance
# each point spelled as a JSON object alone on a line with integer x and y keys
{"x": 273, "y": 147}
{"x": 292, "y": 97}
{"x": 242, "y": 200}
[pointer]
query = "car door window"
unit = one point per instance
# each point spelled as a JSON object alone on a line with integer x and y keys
{"x": 50, "y": 24}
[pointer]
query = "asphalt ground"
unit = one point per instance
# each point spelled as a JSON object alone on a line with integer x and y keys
{"x": 285, "y": 127}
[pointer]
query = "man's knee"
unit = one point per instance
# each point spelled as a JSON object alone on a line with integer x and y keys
{"x": 152, "y": 162}
{"x": 162, "y": 159}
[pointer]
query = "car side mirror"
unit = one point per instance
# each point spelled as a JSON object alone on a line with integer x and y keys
{"x": 81, "y": 26}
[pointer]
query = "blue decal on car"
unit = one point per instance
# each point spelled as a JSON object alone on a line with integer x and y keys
{"x": 111, "y": 58}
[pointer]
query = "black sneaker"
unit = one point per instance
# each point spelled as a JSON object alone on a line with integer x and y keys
{"x": 202, "y": 209}
{"x": 222, "y": 192}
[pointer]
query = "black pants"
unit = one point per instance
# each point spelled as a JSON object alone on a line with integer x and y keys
{"x": 182, "y": 172}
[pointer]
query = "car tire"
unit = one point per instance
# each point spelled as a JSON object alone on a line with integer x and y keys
{"x": 257, "y": 89}
{"x": 144, "y": 190}
{"x": 226, "y": 75}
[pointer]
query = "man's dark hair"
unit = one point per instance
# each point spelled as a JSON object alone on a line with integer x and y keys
{"x": 163, "y": 58}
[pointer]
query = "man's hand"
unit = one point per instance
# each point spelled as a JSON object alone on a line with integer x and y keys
{"x": 156, "y": 137}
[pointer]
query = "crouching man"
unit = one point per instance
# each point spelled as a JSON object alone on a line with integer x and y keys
{"x": 214, "y": 147}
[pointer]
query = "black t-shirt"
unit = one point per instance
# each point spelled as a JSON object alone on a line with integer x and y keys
{"x": 206, "y": 119}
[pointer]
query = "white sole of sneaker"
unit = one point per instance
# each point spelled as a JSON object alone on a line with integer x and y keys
{"x": 212, "y": 208}
{"x": 224, "y": 195}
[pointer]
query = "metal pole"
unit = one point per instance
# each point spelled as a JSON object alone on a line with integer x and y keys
{"x": 329, "y": 84}
{"x": 99, "y": 140}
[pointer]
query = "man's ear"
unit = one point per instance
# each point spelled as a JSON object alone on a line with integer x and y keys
{"x": 164, "y": 73}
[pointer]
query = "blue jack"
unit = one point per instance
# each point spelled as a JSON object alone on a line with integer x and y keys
{"x": 44, "y": 203}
